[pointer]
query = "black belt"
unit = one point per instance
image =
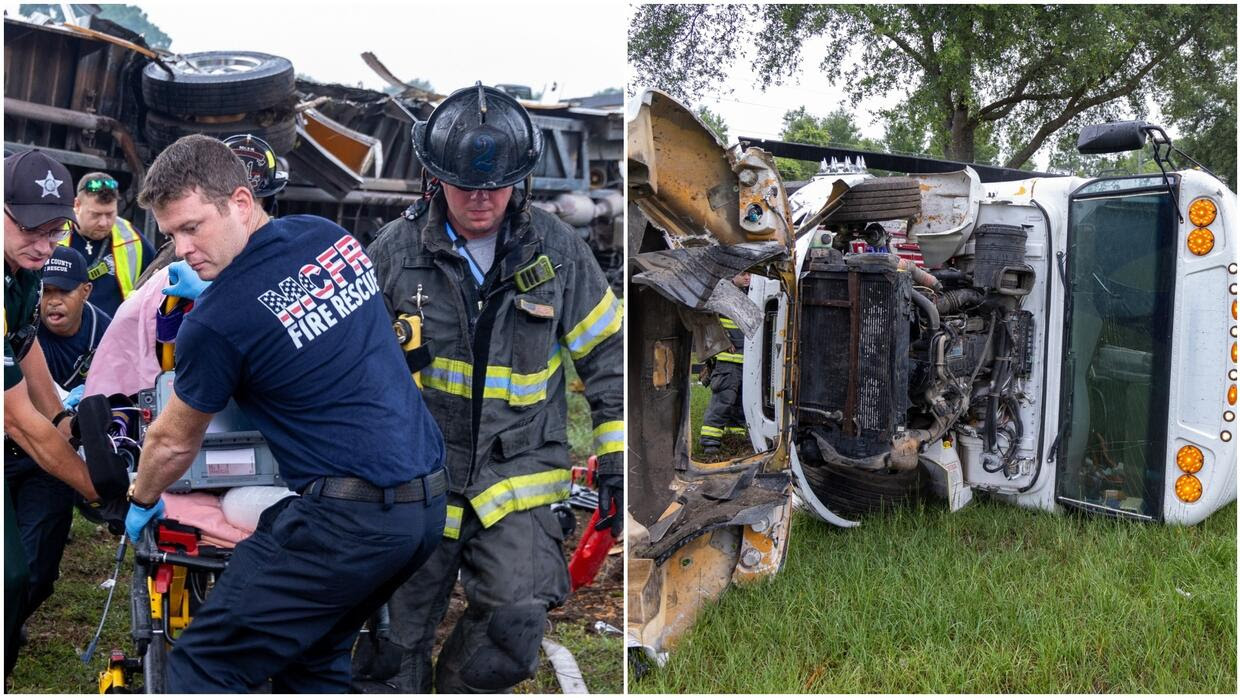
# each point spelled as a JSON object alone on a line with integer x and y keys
{"x": 358, "y": 490}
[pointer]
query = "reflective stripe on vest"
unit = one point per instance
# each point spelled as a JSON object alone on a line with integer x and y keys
{"x": 603, "y": 321}
{"x": 456, "y": 377}
{"x": 452, "y": 524}
{"x": 521, "y": 493}
{"x": 609, "y": 438}
{"x": 730, "y": 357}
{"x": 126, "y": 254}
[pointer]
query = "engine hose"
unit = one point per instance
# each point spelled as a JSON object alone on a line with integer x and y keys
{"x": 950, "y": 275}
{"x": 927, "y": 308}
{"x": 920, "y": 276}
{"x": 834, "y": 457}
{"x": 950, "y": 302}
{"x": 992, "y": 416}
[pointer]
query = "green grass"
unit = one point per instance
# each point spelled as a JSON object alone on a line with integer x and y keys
{"x": 988, "y": 599}
{"x": 64, "y": 625}
{"x": 598, "y": 658}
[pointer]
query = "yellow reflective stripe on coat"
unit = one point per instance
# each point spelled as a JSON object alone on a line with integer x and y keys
{"x": 737, "y": 430}
{"x": 452, "y": 523}
{"x": 609, "y": 438}
{"x": 127, "y": 253}
{"x": 730, "y": 357}
{"x": 708, "y": 430}
{"x": 521, "y": 493}
{"x": 521, "y": 389}
{"x": 450, "y": 376}
{"x": 600, "y": 323}
{"x": 727, "y": 323}
{"x": 456, "y": 377}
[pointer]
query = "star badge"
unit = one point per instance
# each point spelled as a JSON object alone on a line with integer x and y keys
{"x": 51, "y": 185}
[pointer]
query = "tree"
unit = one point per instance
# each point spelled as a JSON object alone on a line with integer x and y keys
{"x": 417, "y": 83}
{"x": 1011, "y": 76}
{"x": 128, "y": 16}
{"x": 134, "y": 19}
{"x": 837, "y": 128}
{"x": 715, "y": 123}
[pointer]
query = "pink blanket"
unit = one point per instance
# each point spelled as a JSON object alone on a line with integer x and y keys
{"x": 203, "y": 510}
{"x": 125, "y": 361}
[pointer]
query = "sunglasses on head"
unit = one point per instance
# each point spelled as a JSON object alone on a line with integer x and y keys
{"x": 97, "y": 185}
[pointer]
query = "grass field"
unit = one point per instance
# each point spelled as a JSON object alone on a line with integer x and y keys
{"x": 63, "y": 625}
{"x": 988, "y": 599}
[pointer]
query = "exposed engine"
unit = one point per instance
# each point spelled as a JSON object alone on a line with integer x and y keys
{"x": 895, "y": 356}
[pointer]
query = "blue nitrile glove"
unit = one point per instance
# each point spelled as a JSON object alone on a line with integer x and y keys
{"x": 184, "y": 282}
{"x": 74, "y": 397}
{"x": 138, "y": 518}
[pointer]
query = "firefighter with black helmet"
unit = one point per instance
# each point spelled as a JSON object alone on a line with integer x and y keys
{"x": 504, "y": 295}
{"x": 266, "y": 176}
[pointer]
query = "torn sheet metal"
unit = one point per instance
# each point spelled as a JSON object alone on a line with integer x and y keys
{"x": 693, "y": 188}
{"x": 706, "y": 214}
{"x": 680, "y": 175}
{"x": 357, "y": 151}
{"x": 700, "y": 278}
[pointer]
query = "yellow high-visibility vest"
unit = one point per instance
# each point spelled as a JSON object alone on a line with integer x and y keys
{"x": 126, "y": 252}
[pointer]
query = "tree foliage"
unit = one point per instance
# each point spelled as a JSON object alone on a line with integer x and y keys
{"x": 974, "y": 78}
{"x": 129, "y": 16}
{"x": 714, "y": 122}
{"x": 837, "y": 128}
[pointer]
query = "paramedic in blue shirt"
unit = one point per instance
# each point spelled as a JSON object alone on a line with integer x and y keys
{"x": 72, "y": 326}
{"x": 292, "y": 328}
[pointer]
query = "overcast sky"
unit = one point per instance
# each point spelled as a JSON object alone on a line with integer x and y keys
{"x": 451, "y": 44}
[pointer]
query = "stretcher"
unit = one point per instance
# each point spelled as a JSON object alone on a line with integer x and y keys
{"x": 173, "y": 573}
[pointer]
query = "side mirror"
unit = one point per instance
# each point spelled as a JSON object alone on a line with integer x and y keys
{"x": 1112, "y": 137}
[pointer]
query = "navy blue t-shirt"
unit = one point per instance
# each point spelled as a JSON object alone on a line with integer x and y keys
{"x": 296, "y": 331}
{"x": 68, "y": 358}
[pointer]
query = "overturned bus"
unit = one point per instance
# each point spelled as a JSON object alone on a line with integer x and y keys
{"x": 1058, "y": 343}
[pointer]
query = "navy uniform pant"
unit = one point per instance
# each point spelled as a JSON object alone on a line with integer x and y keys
{"x": 512, "y": 574}
{"x": 297, "y": 591}
{"x": 43, "y": 508}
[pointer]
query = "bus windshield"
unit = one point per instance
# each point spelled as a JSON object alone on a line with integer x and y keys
{"x": 1121, "y": 280}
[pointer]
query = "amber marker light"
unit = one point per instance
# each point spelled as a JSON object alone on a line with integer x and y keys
{"x": 1202, "y": 212}
{"x": 1188, "y": 488}
{"x": 1233, "y": 352}
{"x": 1189, "y": 459}
{"x": 1231, "y": 395}
{"x": 1200, "y": 241}
{"x": 1233, "y": 311}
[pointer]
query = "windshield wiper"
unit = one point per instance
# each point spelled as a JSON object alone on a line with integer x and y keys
{"x": 1164, "y": 156}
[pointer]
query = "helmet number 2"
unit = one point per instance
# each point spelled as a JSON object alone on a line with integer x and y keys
{"x": 484, "y": 153}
